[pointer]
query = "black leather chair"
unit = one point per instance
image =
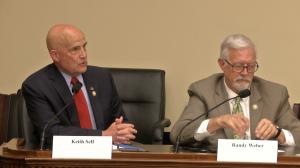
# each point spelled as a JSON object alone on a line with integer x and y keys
{"x": 296, "y": 109}
{"x": 27, "y": 132}
{"x": 11, "y": 121}
{"x": 4, "y": 102}
{"x": 15, "y": 121}
{"x": 142, "y": 92}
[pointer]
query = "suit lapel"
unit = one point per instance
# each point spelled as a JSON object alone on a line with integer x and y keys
{"x": 224, "y": 109}
{"x": 59, "y": 84}
{"x": 93, "y": 94}
{"x": 255, "y": 109}
{"x": 63, "y": 91}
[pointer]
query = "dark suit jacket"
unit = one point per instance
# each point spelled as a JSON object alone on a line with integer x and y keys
{"x": 267, "y": 100}
{"x": 46, "y": 93}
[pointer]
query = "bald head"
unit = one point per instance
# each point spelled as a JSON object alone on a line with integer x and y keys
{"x": 67, "y": 49}
{"x": 59, "y": 35}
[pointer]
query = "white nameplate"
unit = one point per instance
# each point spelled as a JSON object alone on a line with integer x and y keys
{"x": 247, "y": 150}
{"x": 82, "y": 147}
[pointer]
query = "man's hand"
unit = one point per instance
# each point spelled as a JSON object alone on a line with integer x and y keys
{"x": 267, "y": 130}
{"x": 120, "y": 132}
{"x": 239, "y": 123}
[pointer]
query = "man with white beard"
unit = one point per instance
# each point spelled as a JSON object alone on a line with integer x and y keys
{"x": 265, "y": 114}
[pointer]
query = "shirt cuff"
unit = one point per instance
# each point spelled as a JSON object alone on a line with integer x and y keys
{"x": 202, "y": 132}
{"x": 289, "y": 139}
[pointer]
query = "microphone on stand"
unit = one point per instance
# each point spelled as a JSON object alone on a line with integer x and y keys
{"x": 242, "y": 94}
{"x": 75, "y": 89}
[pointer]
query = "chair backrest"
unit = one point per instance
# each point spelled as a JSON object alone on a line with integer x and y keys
{"x": 296, "y": 109}
{"x": 142, "y": 92}
{"x": 10, "y": 117}
{"x": 27, "y": 129}
{"x": 3, "y": 117}
{"x": 14, "y": 120}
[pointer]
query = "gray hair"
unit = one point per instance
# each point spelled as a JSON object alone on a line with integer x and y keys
{"x": 235, "y": 41}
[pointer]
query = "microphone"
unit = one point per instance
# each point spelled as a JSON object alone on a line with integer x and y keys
{"x": 242, "y": 94}
{"x": 75, "y": 89}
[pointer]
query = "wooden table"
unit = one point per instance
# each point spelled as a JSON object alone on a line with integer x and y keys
{"x": 13, "y": 155}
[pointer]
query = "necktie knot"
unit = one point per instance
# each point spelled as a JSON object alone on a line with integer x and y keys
{"x": 237, "y": 108}
{"x": 74, "y": 80}
{"x": 237, "y": 100}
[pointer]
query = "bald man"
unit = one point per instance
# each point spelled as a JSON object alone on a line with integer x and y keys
{"x": 49, "y": 89}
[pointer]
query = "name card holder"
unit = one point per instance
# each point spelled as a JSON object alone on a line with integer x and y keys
{"x": 230, "y": 150}
{"x": 82, "y": 147}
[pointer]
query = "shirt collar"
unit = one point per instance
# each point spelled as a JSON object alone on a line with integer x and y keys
{"x": 68, "y": 78}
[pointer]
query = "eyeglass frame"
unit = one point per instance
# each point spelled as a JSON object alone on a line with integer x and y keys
{"x": 234, "y": 66}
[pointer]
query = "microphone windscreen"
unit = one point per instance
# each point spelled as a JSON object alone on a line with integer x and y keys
{"x": 244, "y": 93}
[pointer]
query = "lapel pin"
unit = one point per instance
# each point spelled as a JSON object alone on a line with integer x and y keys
{"x": 254, "y": 107}
{"x": 93, "y": 91}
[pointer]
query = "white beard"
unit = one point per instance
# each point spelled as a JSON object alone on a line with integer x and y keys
{"x": 241, "y": 85}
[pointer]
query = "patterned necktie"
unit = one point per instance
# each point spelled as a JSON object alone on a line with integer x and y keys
{"x": 81, "y": 106}
{"x": 237, "y": 109}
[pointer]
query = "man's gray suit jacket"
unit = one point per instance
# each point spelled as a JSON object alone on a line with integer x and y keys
{"x": 267, "y": 100}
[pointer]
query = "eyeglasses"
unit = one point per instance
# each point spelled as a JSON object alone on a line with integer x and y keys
{"x": 240, "y": 68}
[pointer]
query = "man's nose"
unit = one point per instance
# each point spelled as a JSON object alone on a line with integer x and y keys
{"x": 83, "y": 53}
{"x": 245, "y": 70}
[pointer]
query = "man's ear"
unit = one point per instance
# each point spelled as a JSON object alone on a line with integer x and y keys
{"x": 221, "y": 63}
{"x": 54, "y": 55}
